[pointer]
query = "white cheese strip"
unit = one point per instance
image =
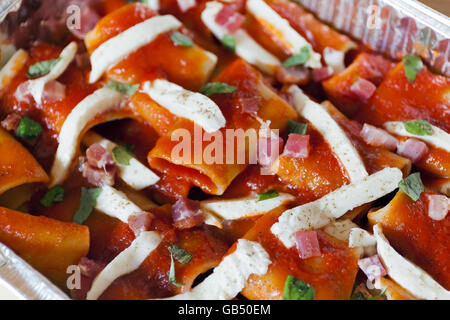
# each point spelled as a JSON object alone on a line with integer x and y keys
{"x": 10, "y": 69}
{"x": 361, "y": 238}
{"x": 153, "y": 4}
{"x": 187, "y": 104}
{"x": 135, "y": 174}
{"x": 319, "y": 213}
{"x": 139, "y": 198}
{"x": 231, "y": 275}
{"x": 115, "y": 49}
{"x": 75, "y": 125}
{"x": 438, "y": 139}
{"x": 125, "y": 262}
{"x": 340, "y": 229}
{"x": 246, "y": 48}
{"x": 407, "y": 274}
{"x": 332, "y": 133}
{"x": 282, "y": 31}
{"x": 36, "y": 86}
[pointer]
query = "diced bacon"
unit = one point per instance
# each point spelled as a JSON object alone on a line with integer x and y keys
{"x": 438, "y": 206}
{"x": 88, "y": 19}
{"x": 307, "y": 244}
{"x": 269, "y": 149}
{"x": 186, "y": 214}
{"x": 378, "y": 137}
{"x": 89, "y": 268}
{"x": 140, "y": 222}
{"x": 22, "y": 93}
{"x": 248, "y": 105}
{"x": 185, "y": 5}
{"x": 297, "y": 145}
{"x": 372, "y": 267}
{"x": 321, "y": 74}
{"x": 99, "y": 157}
{"x": 230, "y": 19}
{"x": 363, "y": 88}
{"x": 412, "y": 149}
{"x": 99, "y": 177}
{"x": 11, "y": 122}
{"x": 293, "y": 75}
{"x": 54, "y": 91}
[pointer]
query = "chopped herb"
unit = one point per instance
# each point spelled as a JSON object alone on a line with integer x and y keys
{"x": 412, "y": 186}
{"x": 128, "y": 147}
{"x": 267, "y": 195}
{"x": 28, "y": 129}
{"x": 297, "y": 127}
{"x": 123, "y": 88}
{"x": 87, "y": 203}
{"x": 229, "y": 43}
{"x": 55, "y": 194}
{"x": 378, "y": 297}
{"x": 412, "y": 65}
{"x": 180, "y": 254}
{"x": 299, "y": 58}
{"x": 419, "y": 127}
{"x": 171, "y": 273}
{"x": 121, "y": 155}
{"x": 42, "y": 68}
{"x": 295, "y": 289}
{"x": 181, "y": 40}
{"x": 217, "y": 87}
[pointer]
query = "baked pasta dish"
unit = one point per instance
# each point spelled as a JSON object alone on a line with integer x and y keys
{"x": 227, "y": 149}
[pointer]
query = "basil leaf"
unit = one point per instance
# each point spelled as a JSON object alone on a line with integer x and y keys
{"x": 297, "y": 127}
{"x": 412, "y": 186}
{"x": 217, "y": 87}
{"x": 123, "y": 88}
{"x": 229, "y": 43}
{"x": 87, "y": 203}
{"x": 299, "y": 58}
{"x": 171, "y": 273}
{"x": 412, "y": 66}
{"x": 55, "y": 194}
{"x": 267, "y": 195}
{"x": 42, "y": 68}
{"x": 28, "y": 129}
{"x": 121, "y": 155}
{"x": 419, "y": 127}
{"x": 180, "y": 254}
{"x": 181, "y": 40}
{"x": 295, "y": 289}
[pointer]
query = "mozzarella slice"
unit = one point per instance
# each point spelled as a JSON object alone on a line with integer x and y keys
{"x": 246, "y": 48}
{"x": 153, "y": 4}
{"x": 438, "y": 139}
{"x": 282, "y": 31}
{"x": 10, "y": 69}
{"x": 115, "y": 49}
{"x": 75, "y": 124}
{"x": 407, "y": 274}
{"x": 340, "y": 229}
{"x": 135, "y": 174}
{"x": 361, "y": 238}
{"x": 125, "y": 262}
{"x": 231, "y": 275}
{"x": 319, "y": 213}
{"x": 36, "y": 86}
{"x": 187, "y": 104}
{"x": 332, "y": 133}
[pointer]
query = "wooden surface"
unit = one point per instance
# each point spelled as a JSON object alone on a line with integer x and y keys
{"x": 439, "y": 5}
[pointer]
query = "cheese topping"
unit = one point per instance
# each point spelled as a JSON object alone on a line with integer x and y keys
{"x": 135, "y": 174}
{"x": 125, "y": 262}
{"x": 246, "y": 48}
{"x": 115, "y": 49}
{"x": 361, "y": 238}
{"x": 340, "y": 229}
{"x": 75, "y": 124}
{"x": 439, "y": 138}
{"x": 332, "y": 133}
{"x": 9, "y": 71}
{"x": 282, "y": 31}
{"x": 407, "y": 274}
{"x": 319, "y": 213}
{"x": 231, "y": 275}
{"x": 187, "y": 104}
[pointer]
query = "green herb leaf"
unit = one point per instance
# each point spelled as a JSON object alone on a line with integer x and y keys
{"x": 229, "y": 43}
{"x": 128, "y": 147}
{"x": 180, "y": 254}
{"x": 419, "y": 127}
{"x": 295, "y": 289}
{"x": 378, "y": 297}
{"x": 217, "y": 87}
{"x": 42, "y": 68}
{"x": 299, "y": 58}
{"x": 412, "y": 65}
{"x": 181, "y": 40}
{"x": 87, "y": 203}
{"x": 297, "y": 127}
{"x": 267, "y": 195}
{"x": 171, "y": 273}
{"x": 412, "y": 186}
{"x": 123, "y": 88}
{"x": 55, "y": 194}
{"x": 121, "y": 155}
{"x": 28, "y": 129}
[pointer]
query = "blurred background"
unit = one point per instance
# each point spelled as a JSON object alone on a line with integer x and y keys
{"x": 439, "y": 5}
